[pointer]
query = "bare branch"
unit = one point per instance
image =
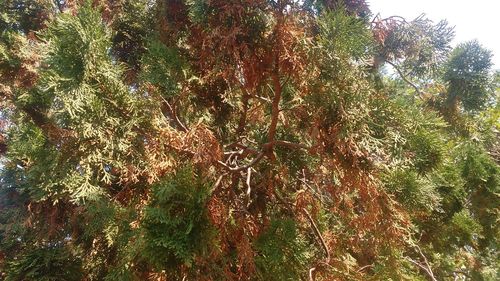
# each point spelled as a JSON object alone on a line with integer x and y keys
{"x": 243, "y": 118}
{"x": 318, "y": 234}
{"x": 291, "y": 144}
{"x": 217, "y": 183}
{"x": 249, "y": 187}
{"x": 241, "y": 168}
{"x": 173, "y": 115}
{"x": 314, "y": 192}
{"x": 247, "y": 150}
{"x": 405, "y": 78}
{"x": 426, "y": 269}
{"x": 311, "y": 275}
{"x": 364, "y": 267}
{"x": 263, "y": 99}
{"x": 425, "y": 260}
{"x": 275, "y": 107}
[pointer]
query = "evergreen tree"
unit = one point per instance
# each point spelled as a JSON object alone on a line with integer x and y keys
{"x": 243, "y": 140}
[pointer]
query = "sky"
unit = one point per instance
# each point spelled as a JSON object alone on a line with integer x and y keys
{"x": 478, "y": 19}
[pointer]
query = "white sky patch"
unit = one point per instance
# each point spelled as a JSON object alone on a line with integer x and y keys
{"x": 478, "y": 19}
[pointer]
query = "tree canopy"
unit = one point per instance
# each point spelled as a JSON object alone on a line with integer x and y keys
{"x": 244, "y": 140}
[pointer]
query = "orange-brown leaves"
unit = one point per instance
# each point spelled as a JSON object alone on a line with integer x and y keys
{"x": 217, "y": 212}
{"x": 200, "y": 142}
{"x": 232, "y": 41}
{"x": 292, "y": 50}
{"x": 383, "y": 27}
{"x": 197, "y": 145}
{"x": 172, "y": 19}
{"x": 245, "y": 262}
{"x": 49, "y": 219}
{"x": 3, "y": 145}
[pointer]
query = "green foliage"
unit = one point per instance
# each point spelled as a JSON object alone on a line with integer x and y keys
{"x": 450, "y": 185}
{"x": 163, "y": 67}
{"x": 413, "y": 191}
{"x": 479, "y": 170}
{"x": 132, "y": 24}
{"x": 464, "y": 228}
{"x": 482, "y": 180}
{"x": 38, "y": 170}
{"x": 344, "y": 36}
{"x": 175, "y": 140}
{"x": 282, "y": 252}
{"x": 468, "y": 77}
{"x": 25, "y": 15}
{"x": 428, "y": 150}
{"x": 50, "y": 263}
{"x": 198, "y": 10}
{"x": 83, "y": 92}
{"x": 77, "y": 48}
{"x": 419, "y": 47}
{"x": 176, "y": 228}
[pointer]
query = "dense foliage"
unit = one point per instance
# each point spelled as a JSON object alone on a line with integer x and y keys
{"x": 243, "y": 140}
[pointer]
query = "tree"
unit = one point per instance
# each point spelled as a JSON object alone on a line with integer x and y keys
{"x": 242, "y": 140}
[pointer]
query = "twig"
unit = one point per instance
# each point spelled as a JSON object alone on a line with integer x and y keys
{"x": 425, "y": 260}
{"x": 246, "y": 148}
{"x": 249, "y": 187}
{"x": 318, "y": 233}
{"x": 405, "y": 78}
{"x": 243, "y": 118}
{"x": 217, "y": 183}
{"x": 275, "y": 110}
{"x": 314, "y": 192}
{"x": 427, "y": 270}
{"x": 173, "y": 115}
{"x": 364, "y": 267}
{"x": 265, "y": 148}
{"x": 291, "y": 144}
{"x": 311, "y": 276}
{"x": 241, "y": 168}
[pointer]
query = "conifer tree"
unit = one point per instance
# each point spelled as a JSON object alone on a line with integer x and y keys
{"x": 243, "y": 140}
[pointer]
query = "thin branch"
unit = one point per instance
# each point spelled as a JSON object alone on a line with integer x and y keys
{"x": 245, "y": 149}
{"x": 249, "y": 187}
{"x": 425, "y": 260}
{"x": 277, "y": 87}
{"x": 364, "y": 267}
{"x": 243, "y": 118}
{"x": 314, "y": 192}
{"x": 318, "y": 234}
{"x": 217, "y": 183}
{"x": 275, "y": 107}
{"x": 463, "y": 273}
{"x": 291, "y": 144}
{"x": 233, "y": 144}
{"x": 173, "y": 115}
{"x": 405, "y": 78}
{"x": 426, "y": 269}
{"x": 311, "y": 275}
{"x": 395, "y": 17}
{"x": 241, "y": 168}
{"x": 263, "y": 99}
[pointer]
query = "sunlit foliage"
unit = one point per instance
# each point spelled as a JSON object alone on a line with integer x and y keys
{"x": 243, "y": 140}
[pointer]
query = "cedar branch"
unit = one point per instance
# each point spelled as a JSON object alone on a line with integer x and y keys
{"x": 405, "y": 78}
{"x": 318, "y": 234}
